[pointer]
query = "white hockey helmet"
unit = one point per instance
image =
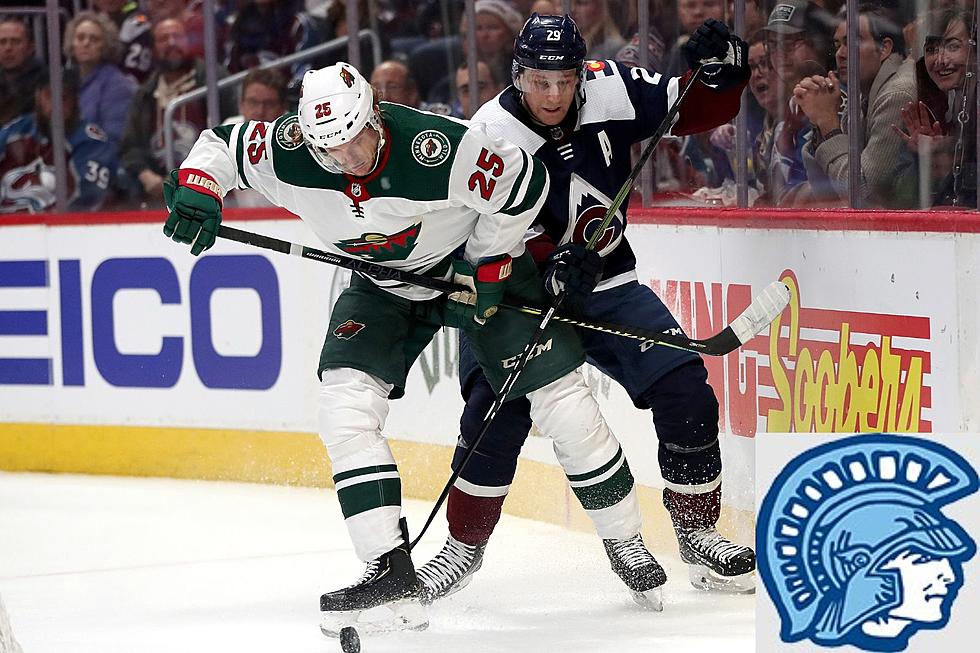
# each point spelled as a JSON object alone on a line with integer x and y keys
{"x": 335, "y": 104}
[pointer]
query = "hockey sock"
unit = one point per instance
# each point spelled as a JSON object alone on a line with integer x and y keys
{"x": 691, "y": 511}
{"x": 471, "y": 518}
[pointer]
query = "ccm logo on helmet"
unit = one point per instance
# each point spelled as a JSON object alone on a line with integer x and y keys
{"x": 551, "y": 57}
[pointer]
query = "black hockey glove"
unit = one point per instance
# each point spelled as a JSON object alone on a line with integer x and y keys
{"x": 574, "y": 269}
{"x": 724, "y": 56}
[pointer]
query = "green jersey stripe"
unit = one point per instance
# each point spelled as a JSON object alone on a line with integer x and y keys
{"x": 608, "y": 492}
{"x": 600, "y": 471}
{"x": 361, "y": 471}
{"x": 224, "y": 132}
{"x": 367, "y": 496}
{"x": 517, "y": 184}
{"x": 240, "y": 154}
{"x": 534, "y": 189}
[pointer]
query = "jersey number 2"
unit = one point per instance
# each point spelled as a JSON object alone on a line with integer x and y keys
{"x": 489, "y": 162}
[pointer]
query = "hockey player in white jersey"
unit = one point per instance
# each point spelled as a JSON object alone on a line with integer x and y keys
{"x": 417, "y": 192}
{"x": 581, "y": 118}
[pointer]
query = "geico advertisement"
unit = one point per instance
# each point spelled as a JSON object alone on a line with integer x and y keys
{"x": 116, "y": 324}
{"x": 869, "y": 342}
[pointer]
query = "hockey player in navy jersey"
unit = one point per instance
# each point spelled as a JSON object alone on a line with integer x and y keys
{"x": 581, "y": 118}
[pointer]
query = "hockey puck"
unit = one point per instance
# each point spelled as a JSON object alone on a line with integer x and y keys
{"x": 350, "y": 641}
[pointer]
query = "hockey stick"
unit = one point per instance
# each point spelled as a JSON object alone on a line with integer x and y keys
{"x": 762, "y": 311}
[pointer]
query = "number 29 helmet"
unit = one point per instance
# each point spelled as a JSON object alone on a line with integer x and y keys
{"x": 548, "y": 43}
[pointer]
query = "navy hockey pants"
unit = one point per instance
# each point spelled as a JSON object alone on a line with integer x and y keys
{"x": 670, "y": 382}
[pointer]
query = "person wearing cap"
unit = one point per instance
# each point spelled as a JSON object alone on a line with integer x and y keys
{"x": 799, "y": 44}
{"x": 497, "y": 23}
{"x": 889, "y": 175}
{"x": 27, "y": 167}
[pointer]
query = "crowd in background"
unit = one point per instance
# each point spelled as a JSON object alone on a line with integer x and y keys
{"x": 126, "y": 60}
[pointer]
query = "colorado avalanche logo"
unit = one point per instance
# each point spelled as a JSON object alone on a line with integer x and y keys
{"x": 383, "y": 247}
{"x": 348, "y": 329}
{"x": 587, "y": 208}
{"x": 853, "y": 545}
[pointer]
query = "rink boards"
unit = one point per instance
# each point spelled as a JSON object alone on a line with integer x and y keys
{"x": 121, "y": 353}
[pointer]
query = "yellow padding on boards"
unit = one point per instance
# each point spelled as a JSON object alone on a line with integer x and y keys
{"x": 539, "y": 492}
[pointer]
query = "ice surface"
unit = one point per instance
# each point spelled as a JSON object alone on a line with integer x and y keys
{"x": 104, "y": 565}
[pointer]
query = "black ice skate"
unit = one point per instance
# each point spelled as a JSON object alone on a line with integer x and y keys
{"x": 390, "y": 584}
{"x": 637, "y": 567}
{"x": 715, "y": 562}
{"x": 450, "y": 570}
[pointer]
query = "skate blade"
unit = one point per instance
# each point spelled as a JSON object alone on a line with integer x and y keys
{"x": 652, "y": 599}
{"x": 704, "y": 579}
{"x": 399, "y": 616}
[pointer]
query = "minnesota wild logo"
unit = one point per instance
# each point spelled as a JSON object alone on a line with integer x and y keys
{"x": 347, "y": 77}
{"x": 348, "y": 329}
{"x": 430, "y": 148}
{"x": 383, "y": 247}
{"x": 289, "y": 135}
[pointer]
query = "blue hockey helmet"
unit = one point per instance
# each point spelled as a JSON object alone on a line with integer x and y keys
{"x": 549, "y": 43}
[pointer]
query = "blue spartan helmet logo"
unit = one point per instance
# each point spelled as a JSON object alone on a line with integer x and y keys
{"x": 852, "y": 545}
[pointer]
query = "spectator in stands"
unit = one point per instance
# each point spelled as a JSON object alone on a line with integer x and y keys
{"x": 629, "y": 54}
{"x": 395, "y": 83}
{"x": 116, "y": 10}
{"x": 263, "y": 97}
{"x": 690, "y": 14}
{"x": 142, "y": 150}
{"x": 602, "y": 36}
{"x": 92, "y": 47}
{"x": 27, "y": 177}
{"x": 799, "y": 43}
{"x": 19, "y": 70}
{"x": 265, "y": 30}
{"x": 946, "y": 93}
{"x": 135, "y": 34}
{"x": 772, "y": 95}
{"x": 755, "y": 15}
{"x": 497, "y": 23}
{"x": 487, "y": 85}
{"x": 888, "y": 170}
